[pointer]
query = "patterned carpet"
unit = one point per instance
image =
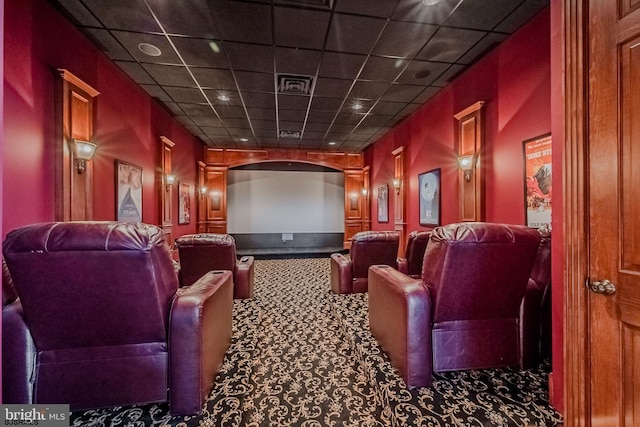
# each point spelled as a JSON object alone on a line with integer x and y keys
{"x": 301, "y": 356}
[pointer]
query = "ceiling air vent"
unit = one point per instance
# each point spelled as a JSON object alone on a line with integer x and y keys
{"x": 290, "y": 84}
{"x": 291, "y": 134}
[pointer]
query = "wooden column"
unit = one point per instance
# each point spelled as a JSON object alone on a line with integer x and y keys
{"x": 166, "y": 190}
{"x": 399, "y": 176}
{"x": 202, "y": 194}
{"x": 366, "y": 200}
{"x": 470, "y": 135}
{"x": 215, "y": 178}
{"x": 353, "y": 205}
{"x": 75, "y": 113}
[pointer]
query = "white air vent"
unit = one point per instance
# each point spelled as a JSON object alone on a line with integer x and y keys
{"x": 290, "y": 84}
{"x": 292, "y": 134}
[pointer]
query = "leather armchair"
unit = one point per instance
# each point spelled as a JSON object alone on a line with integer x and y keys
{"x": 349, "y": 274}
{"x": 411, "y": 264}
{"x": 464, "y": 311}
{"x": 200, "y": 253}
{"x": 535, "y": 312}
{"x": 100, "y": 320}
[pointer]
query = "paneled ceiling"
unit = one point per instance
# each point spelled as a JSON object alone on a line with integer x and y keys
{"x": 307, "y": 74}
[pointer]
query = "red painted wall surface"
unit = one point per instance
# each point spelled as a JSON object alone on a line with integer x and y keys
{"x": 128, "y": 123}
{"x": 514, "y": 82}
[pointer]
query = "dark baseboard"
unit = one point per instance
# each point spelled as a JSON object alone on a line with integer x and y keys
{"x": 293, "y": 245}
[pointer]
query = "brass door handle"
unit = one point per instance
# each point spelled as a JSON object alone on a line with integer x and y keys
{"x": 605, "y": 287}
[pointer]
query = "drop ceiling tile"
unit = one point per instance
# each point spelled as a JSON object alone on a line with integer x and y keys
{"x": 170, "y": 75}
{"x": 240, "y": 123}
{"x": 488, "y": 42}
{"x": 403, "y": 39}
{"x": 341, "y": 65}
{"x": 186, "y": 121}
{"x": 354, "y": 34}
{"x": 130, "y": 15}
{"x": 200, "y": 109}
{"x": 410, "y": 108}
{"x": 230, "y": 111}
{"x": 383, "y": 131}
{"x": 293, "y": 102}
{"x": 326, "y": 104}
{"x": 336, "y": 136}
{"x": 259, "y": 99}
{"x": 266, "y": 133}
{"x": 379, "y": 8}
{"x": 263, "y": 124}
{"x": 109, "y": 45}
{"x": 317, "y": 127}
{"x": 388, "y": 108}
{"x": 136, "y": 72}
{"x": 382, "y": 69}
{"x": 368, "y": 90}
{"x": 297, "y": 61}
{"x": 332, "y": 88}
{"x": 415, "y": 11}
{"x": 320, "y": 117}
{"x": 184, "y": 94}
{"x": 192, "y": 20}
{"x": 173, "y": 108}
{"x": 402, "y": 93}
{"x": 301, "y": 28}
{"x": 366, "y": 130}
{"x": 156, "y": 92}
{"x": 375, "y": 120}
{"x": 214, "y": 78}
{"x": 481, "y": 15}
{"x": 316, "y": 136}
{"x": 341, "y": 128}
{"x": 348, "y": 118}
{"x": 201, "y": 52}
{"x": 291, "y": 115}
{"x": 257, "y": 82}
{"x": 214, "y": 131}
{"x": 357, "y": 138}
{"x": 422, "y": 73}
{"x": 291, "y": 125}
{"x": 214, "y": 97}
{"x": 80, "y": 13}
{"x": 239, "y": 132}
{"x": 521, "y": 15}
{"x": 261, "y": 113}
{"x": 426, "y": 94}
{"x": 211, "y": 121}
{"x": 249, "y": 57}
{"x": 243, "y": 21}
{"x": 449, "y": 44}
{"x": 449, "y": 75}
{"x": 131, "y": 41}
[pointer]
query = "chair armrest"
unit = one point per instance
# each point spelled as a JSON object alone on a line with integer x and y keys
{"x": 199, "y": 335}
{"x": 400, "y": 320}
{"x": 18, "y": 356}
{"x": 403, "y": 265}
{"x": 243, "y": 280}
{"x": 341, "y": 274}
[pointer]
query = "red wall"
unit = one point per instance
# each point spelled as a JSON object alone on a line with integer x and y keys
{"x": 128, "y": 123}
{"x": 514, "y": 82}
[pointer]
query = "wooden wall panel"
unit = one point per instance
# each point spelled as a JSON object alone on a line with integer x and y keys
{"x": 400, "y": 208}
{"x": 166, "y": 191}
{"x": 216, "y": 199}
{"x": 470, "y": 133}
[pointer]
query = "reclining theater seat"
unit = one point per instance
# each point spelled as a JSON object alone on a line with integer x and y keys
{"x": 200, "y": 253}
{"x": 103, "y": 321}
{"x": 464, "y": 312}
{"x": 411, "y": 264}
{"x": 349, "y": 275}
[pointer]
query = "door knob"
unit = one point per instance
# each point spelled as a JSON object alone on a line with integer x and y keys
{"x": 605, "y": 287}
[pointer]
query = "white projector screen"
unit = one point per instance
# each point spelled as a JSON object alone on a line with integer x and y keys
{"x": 261, "y": 201}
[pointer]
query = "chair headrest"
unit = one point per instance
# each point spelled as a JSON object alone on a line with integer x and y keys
{"x": 205, "y": 239}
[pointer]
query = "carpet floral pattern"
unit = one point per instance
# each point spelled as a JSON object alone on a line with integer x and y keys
{"x": 302, "y": 356}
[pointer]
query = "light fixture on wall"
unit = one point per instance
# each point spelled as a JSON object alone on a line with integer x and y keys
{"x": 365, "y": 192}
{"x": 466, "y": 164}
{"x": 203, "y": 191}
{"x": 396, "y": 185}
{"x": 170, "y": 179}
{"x": 84, "y": 151}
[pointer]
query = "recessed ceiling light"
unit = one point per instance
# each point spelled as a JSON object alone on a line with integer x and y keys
{"x": 357, "y": 105}
{"x": 422, "y": 74}
{"x": 244, "y": 139}
{"x": 224, "y": 97}
{"x": 149, "y": 49}
{"x": 430, "y": 2}
{"x": 332, "y": 143}
{"x": 214, "y": 47}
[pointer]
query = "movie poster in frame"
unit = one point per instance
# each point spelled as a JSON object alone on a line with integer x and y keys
{"x": 184, "y": 203}
{"x": 383, "y": 203}
{"x": 537, "y": 178}
{"x": 429, "y": 196}
{"x": 128, "y": 192}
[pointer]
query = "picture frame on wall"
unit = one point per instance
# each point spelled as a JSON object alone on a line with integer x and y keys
{"x": 128, "y": 191}
{"x": 429, "y": 197}
{"x": 184, "y": 203}
{"x": 383, "y": 203}
{"x": 537, "y": 181}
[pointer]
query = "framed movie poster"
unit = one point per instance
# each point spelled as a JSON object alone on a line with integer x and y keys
{"x": 537, "y": 177}
{"x": 429, "y": 196}
{"x": 184, "y": 205}
{"x": 383, "y": 203}
{"x": 128, "y": 192}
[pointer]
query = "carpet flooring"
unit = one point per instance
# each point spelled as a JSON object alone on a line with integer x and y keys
{"x": 302, "y": 356}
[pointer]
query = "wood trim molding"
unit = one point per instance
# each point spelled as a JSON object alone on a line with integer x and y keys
{"x": 166, "y": 190}
{"x": 469, "y": 110}
{"x": 575, "y": 308}
{"x": 400, "y": 173}
{"x": 470, "y": 141}
{"x": 76, "y": 81}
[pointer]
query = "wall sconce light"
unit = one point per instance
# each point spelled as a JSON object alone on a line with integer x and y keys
{"x": 396, "y": 185}
{"x": 84, "y": 151}
{"x": 365, "y": 192}
{"x": 170, "y": 180}
{"x": 466, "y": 164}
{"x": 203, "y": 191}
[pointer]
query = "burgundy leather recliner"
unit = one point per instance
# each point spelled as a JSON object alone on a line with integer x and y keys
{"x": 464, "y": 312}
{"x": 411, "y": 263}
{"x": 100, "y": 320}
{"x": 349, "y": 274}
{"x": 200, "y": 253}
